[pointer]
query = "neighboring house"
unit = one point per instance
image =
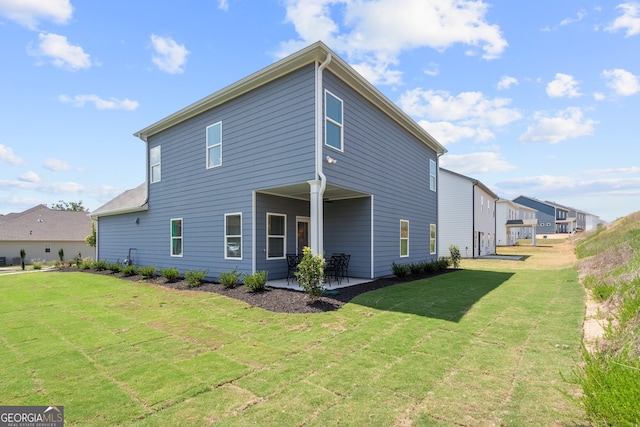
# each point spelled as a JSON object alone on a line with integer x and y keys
{"x": 554, "y": 218}
{"x": 42, "y": 232}
{"x": 514, "y": 221}
{"x": 305, "y": 152}
{"x": 466, "y": 213}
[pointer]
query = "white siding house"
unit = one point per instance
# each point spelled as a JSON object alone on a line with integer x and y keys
{"x": 466, "y": 215}
{"x": 514, "y": 221}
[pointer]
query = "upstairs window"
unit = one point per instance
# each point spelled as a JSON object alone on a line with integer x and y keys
{"x": 333, "y": 121}
{"x": 233, "y": 236}
{"x": 404, "y": 238}
{"x": 214, "y": 145}
{"x": 432, "y": 175}
{"x": 154, "y": 164}
{"x": 176, "y": 237}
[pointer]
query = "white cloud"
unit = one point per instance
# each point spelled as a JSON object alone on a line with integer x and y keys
{"x": 100, "y": 103}
{"x": 61, "y": 53}
{"x": 469, "y": 108}
{"x": 29, "y": 177}
{"x": 57, "y": 165}
{"x": 374, "y": 33}
{"x": 29, "y": 12}
{"x": 506, "y": 82}
{"x": 569, "y": 123}
{"x": 473, "y": 163}
{"x": 447, "y": 133}
{"x": 223, "y": 5}
{"x": 579, "y": 17}
{"x": 7, "y": 156}
{"x": 622, "y": 81}
{"x": 629, "y": 21}
{"x": 169, "y": 56}
{"x": 564, "y": 85}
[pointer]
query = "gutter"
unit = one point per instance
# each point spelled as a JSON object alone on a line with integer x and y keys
{"x": 323, "y": 178}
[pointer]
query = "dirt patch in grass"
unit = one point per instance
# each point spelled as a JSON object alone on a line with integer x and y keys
{"x": 274, "y": 299}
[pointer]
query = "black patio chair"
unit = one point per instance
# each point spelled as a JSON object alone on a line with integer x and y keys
{"x": 292, "y": 265}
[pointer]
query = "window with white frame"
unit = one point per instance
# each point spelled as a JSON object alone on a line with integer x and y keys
{"x": 47, "y": 248}
{"x": 276, "y": 235}
{"x": 432, "y": 239}
{"x": 404, "y": 238}
{"x": 155, "y": 171}
{"x": 176, "y": 237}
{"x": 214, "y": 145}
{"x": 233, "y": 236}
{"x": 333, "y": 131}
{"x": 432, "y": 175}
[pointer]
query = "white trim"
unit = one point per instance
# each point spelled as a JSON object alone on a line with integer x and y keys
{"x": 254, "y": 243}
{"x": 372, "y": 267}
{"x": 159, "y": 164}
{"x": 284, "y": 236}
{"x": 209, "y": 147}
{"x": 435, "y": 240}
{"x": 340, "y": 125}
{"x": 306, "y": 220}
{"x": 181, "y": 237}
{"x": 233, "y": 235}
{"x": 407, "y": 238}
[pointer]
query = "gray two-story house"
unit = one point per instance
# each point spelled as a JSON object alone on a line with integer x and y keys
{"x": 304, "y": 152}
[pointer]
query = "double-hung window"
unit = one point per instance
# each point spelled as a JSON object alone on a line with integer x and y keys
{"x": 154, "y": 164}
{"x": 233, "y": 236}
{"x": 176, "y": 237}
{"x": 432, "y": 239}
{"x": 432, "y": 175}
{"x": 404, "y": 238}
{"x": 214, "y": 145}
{"x": 276, "y": 235}
{"x": 333, "y": 134}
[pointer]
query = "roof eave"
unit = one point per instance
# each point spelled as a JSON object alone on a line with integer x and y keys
{"x": 316, "y": 52}
{"x": 142, "y": 208}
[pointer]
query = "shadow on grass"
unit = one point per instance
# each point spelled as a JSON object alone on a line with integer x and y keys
{"x": 448, "y": 296}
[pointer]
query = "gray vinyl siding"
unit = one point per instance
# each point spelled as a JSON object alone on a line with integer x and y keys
{"x": 267, "y": 140}
{"x": 545, "y": 214}
{"x": 382, "y": 159}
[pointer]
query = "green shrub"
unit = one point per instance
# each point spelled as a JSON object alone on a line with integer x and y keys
{"x": 129, "y": 270}
{"x": 256, "y": 282}
{"x": 37, "y": 265}
{"x": 455, "y": 255}
{"x": 114, "y": 267}
{"x": 147, "y": 271}
{"x": 85, "y": 263}
{"x": 171, "y": 274}
{"x": 310, "y": 273}
{"x": 400, "y": 270}
{"x": 194, "y": 278}
{"x": 61, "y": 255}
{"x": 416, "y": 268}
{"x": 443, "y": 264}
{"x": 230, "y": 279}
{"x": 430, "y": 267}
{"x": 23, "y": 254}
{"x": 99, "y": 265}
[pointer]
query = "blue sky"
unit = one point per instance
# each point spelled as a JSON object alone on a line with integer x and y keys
{"x": 532, "y": 98}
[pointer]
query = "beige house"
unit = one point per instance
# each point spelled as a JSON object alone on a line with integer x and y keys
{"x": 42, "y": 232}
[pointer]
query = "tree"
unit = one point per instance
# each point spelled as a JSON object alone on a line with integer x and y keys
{"x": 69, "y": 206}
{"x": 91, "y": 238}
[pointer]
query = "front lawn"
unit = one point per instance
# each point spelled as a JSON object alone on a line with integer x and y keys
{"x": 480, "y": 346}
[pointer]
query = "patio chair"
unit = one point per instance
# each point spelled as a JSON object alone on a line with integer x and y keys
{"x": 292, "y": 265}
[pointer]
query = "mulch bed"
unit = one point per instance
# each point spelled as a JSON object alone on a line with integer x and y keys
{"x": 274, "y": 299}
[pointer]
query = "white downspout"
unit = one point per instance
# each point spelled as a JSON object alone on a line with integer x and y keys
{"x": 318, "y": 186}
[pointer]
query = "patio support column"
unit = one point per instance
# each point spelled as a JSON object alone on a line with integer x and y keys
{"x": 316, "y": 214}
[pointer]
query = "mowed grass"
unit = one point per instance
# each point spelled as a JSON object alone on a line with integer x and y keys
{"x": 480, "y": 346}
